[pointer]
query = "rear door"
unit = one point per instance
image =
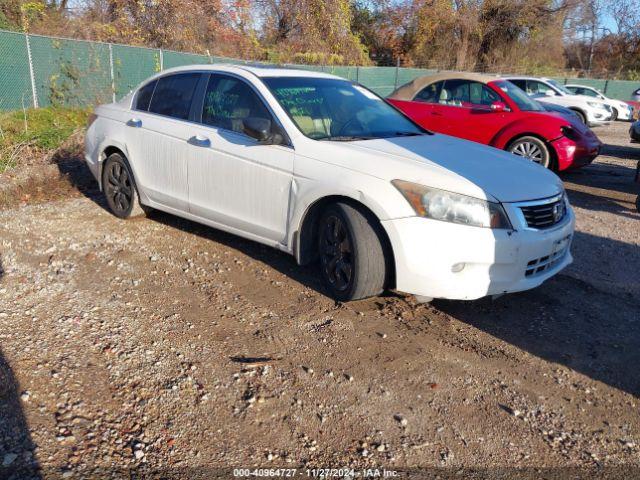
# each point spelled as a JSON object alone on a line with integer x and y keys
{"x": 157, "y": 140}
{"x": 233, "y": 179}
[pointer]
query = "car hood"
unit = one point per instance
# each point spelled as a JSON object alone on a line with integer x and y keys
{"x": 450, "y": 163}
{"x": 571, "y": 100}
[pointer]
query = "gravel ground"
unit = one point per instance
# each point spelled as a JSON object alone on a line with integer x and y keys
{"x": 161, "y": 344}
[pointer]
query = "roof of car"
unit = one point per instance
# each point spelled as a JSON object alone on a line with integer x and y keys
{"x": 409, "y": 90}
{"x": 257, "y": 70}
{"x": 525, "y": 77}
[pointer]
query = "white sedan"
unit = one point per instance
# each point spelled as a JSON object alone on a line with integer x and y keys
{"x": 621, "y": 110}
{"x": 324, "y": 169}
{"x": 591, "y": 111}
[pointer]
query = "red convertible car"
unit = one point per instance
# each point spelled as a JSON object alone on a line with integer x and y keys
{"x": 495, "y": 112}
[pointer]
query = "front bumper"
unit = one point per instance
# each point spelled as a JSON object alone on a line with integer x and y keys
{"x": 495, "y": 261}
{"x": 575, "y": 154}
{"x": 625, "y": 113}
{"x": 598, "y": 116}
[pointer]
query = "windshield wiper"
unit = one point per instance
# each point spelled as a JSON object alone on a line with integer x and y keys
{"x": 346, "y": 138}
{"x": 408, "y": 134}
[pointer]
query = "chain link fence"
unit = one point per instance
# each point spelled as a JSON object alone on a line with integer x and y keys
{"x": 39, "y": 71}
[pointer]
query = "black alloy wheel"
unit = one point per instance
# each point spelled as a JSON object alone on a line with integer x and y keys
{"x": 353, "y": 262}
{"x": 336, "y": 253}
{"x": 119, "y": 188}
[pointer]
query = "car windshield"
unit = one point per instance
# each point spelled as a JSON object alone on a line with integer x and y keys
{"x": 560, "y": 87}
{"x": 333, "y": 109}
{"x": 520, "y": 98}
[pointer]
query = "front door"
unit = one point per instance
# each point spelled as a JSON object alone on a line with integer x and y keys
{"x": 233, "y": 179}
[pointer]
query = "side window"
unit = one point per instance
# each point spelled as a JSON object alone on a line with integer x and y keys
{"x": 143, "y": 97}
{"x": 429, "y": 94}
{"x": 481, "y": 95}
{"x": 589, "y": 93}
{"x": 538, "y": 88}
{"x": 173, "y": 95}
{"x": 456, "y": 93}
{"x": 228, "y": 101}
{"x": 521, "y": 84}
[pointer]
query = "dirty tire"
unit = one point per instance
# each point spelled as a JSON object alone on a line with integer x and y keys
{"x": 120, "y": 189}
{"x": 532, "y": 148}
{"x": 351, "y": 254}
{"x": 614, "y": 114}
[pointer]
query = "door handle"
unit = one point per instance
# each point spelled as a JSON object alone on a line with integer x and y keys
{"x": 199, "y": 141}
{"x": 134, "y": 122}
{"x": 437, "y": 114}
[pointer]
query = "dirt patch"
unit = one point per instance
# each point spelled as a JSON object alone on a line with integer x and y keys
{"x": 162, "y": 343}
{"x": 42, "y": 177}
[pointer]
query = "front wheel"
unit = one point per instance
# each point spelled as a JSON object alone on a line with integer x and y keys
{"x": 532, "y": 148}
{"x": 614, "y": 114}
{"x": 352, "y": 257}
{"x": 120, "y": 189}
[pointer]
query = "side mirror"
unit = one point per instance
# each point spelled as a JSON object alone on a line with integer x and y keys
{"x": 258, "y": 128}
{"x": 498, "y": 107}
{"x": 550, "y": 93}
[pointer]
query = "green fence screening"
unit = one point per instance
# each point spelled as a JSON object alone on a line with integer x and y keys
{"x": 37, "y": 70}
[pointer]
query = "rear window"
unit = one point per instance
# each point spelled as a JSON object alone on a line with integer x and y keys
{"x": 173, "y": 95}
{"x": 144, "y": 96}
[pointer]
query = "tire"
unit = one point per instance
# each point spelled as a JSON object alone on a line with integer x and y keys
{"x": 638, "y": 203}
{"x": 581, "y": 116}
{"x": 351, "y": 254}
{"x": 614, "y": 114}
{"x": 119, "y": 188}
{"x": 532, "y": 148}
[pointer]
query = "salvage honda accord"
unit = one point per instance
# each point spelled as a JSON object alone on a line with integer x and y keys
{"x": 326, "y": 170}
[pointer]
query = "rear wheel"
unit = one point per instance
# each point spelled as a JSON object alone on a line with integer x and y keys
{"x": 532, "y": 148}
{"x": 352, "y": 257}
{"x": 120, "y": 189}
{"x": 614, "y": 114}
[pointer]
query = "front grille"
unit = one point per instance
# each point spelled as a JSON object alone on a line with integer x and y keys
{"x": 545, "y": 214}
{"x": 542, "y": 264}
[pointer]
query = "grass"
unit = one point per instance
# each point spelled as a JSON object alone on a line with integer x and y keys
{"x": 36, "y": 131}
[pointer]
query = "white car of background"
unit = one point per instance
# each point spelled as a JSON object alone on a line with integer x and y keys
{"x": 325, "y": 170}
{"x": 546, "y": 90}
{"x": 620, "y": 110}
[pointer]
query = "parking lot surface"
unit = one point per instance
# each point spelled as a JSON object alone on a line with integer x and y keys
{"x": 164, "y": 343}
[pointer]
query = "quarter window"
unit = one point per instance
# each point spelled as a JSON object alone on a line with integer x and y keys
{"x": 143, "y": 99}
{"x": 173, "y": 95}
{"x": 228, "y": 101}
{"x": 429, "y": 94}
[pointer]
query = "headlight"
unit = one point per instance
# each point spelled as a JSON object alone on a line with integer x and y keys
{"x": 596, "y": 105}
{"x": 452, "y": 207}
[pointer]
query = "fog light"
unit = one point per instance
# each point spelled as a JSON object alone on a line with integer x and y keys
{"x": 457, "y": 267}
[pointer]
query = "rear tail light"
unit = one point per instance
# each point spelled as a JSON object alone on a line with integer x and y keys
{"x": 92, "y": 118}
{"x": 570, "y": 132}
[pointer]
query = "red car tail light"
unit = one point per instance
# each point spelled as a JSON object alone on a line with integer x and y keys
{"x": 570, "y": 133}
